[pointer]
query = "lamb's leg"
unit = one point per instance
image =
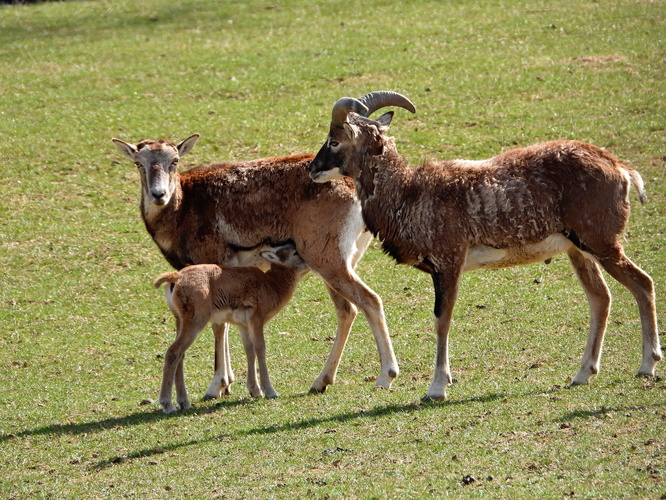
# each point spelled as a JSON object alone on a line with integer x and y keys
{"x": 259, "y": 343}
{"x": 173, "y": 360}
{"x": 223, "y": 376}
{"x": 180, "y": 371}
{"x": 347, "y": 284}
{"x": 446, "y": 293}
{"x": 599, "y": 298}
{"x": 248, "y": 345}
{"x": 639, "y": 283}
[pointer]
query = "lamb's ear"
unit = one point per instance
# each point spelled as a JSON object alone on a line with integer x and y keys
{"x": 186, "y": 146}
{"x": 128, "y": 150}
{"x": 384, "y": 121}
{"x": 270, "y": 256}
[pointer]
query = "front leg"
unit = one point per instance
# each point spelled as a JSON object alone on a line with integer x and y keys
{"x": 248, "y": 345}
{"x": 223, "y": 376}
{"x": 259, "y": 344}
{"x": 446, "y": 293}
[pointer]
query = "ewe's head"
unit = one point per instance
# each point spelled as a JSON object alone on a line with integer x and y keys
{"x": 353, "y": 135}
{"x": 158, "y": 163}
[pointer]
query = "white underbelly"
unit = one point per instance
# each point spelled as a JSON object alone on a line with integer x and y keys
{"x": 233, "y": 316}
{"x": 486, "y": 257}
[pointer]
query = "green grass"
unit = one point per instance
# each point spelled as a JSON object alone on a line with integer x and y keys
{"x": 83, "y": 328}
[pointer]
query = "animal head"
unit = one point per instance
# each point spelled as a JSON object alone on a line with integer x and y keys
{"x": 353, "y": 135}
{"x": 157, "y": 162}
{"x": 286, "y": 256}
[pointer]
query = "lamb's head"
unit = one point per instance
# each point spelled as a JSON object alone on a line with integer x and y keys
{"x": 286, "y": 256}
{"x": 353, "y": 136}
{"x": 158, "y": 164}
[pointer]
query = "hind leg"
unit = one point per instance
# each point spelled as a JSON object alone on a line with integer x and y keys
{"x": 188, "y": 330}
{"x": 639, "y": 283}
{"x": 223, "y": 376}
{"x": 599, "y": 299}
{"x": 346, "y": 313}
{"x": 348, "y": 285}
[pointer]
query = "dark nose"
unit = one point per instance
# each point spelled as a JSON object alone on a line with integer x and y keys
{"x": 158, "y": 194}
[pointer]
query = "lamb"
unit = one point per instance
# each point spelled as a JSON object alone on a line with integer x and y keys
{"x": 526, "y": 205}
{"x": 217, "y": 213}
{"x": 244, "y": 296}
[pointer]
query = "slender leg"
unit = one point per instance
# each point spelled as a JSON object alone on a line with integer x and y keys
{"x": 446, "y": 293}
{"x": 250, "y": 354}
{"x": 259, "y": 343}
{"x": 599, "y": 298}
{"x": 173, "y": 360}
{"x": 223, "y": 376}
{"x": 639, "y": 283}
{"x": 346, "y": 314}
{"x": 180, "y": 372}
{"x": 350, "y": 286}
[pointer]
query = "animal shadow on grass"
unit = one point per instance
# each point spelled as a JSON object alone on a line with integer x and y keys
{"x": 137, "y": 418}
{"x": 605, "y": 410}
{"x": 305, "y": 423}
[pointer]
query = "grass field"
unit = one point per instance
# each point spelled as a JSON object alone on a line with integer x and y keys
{"x": 83, "y": 331}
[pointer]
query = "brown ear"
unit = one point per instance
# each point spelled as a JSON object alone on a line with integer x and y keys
{"x": 128, "y": 150}
{"x": 385, "y": 121}
{"x": 186, "y": 146}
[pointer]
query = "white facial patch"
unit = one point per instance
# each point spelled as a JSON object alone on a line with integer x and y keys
{"x": 327, "y": 175}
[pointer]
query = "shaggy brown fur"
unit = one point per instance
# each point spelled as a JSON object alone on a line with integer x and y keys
{"x": 522, "y": 206}
{"x": 218, "y": 213}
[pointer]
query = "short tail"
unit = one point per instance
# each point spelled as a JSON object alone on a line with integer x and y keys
{"x": 637, "y": 182}
{"x": 171, "y": 277}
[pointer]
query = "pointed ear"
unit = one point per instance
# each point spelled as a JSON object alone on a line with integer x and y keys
{"x": 350, "y": 130}
{"x": 128, "y": 150}
{"x": 384, "y": 121}
{"x": 270, "y": 256}
{"x": 186, "y": 146}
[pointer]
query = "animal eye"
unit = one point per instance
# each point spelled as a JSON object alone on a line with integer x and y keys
{"x": 334, "y": 144}
{"x": 138, "y": 164}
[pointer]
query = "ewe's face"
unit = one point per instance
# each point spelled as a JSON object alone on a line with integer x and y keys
{"x": 158, "y": 163}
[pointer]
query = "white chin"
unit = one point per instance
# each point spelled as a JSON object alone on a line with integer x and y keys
{"x": 327, "y": 175}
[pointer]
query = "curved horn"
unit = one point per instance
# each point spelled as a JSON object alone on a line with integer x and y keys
{"x": 377, "y": 100}
{"x": 343, "y": 107}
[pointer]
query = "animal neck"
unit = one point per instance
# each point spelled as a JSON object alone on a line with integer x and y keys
{"x": 381, "y": 186}
{"x": 159, "y": 220}
{"x": 283, "y": 281}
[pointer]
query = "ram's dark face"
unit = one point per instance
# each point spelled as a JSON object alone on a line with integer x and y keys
{"x": 347, "y": 144}
{"x": 330, "y": 162}
{"x": 353, "y": 136}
